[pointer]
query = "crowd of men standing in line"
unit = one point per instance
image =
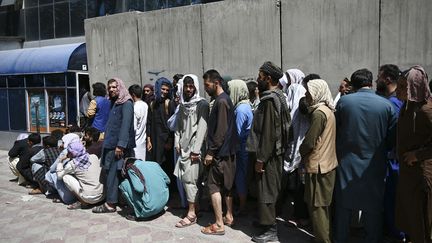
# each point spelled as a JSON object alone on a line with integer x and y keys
{"x": 368, "y": 151}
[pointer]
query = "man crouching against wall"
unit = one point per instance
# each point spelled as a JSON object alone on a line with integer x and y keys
{"x": 267, "y": 142}
{"x": 318, "y": 152}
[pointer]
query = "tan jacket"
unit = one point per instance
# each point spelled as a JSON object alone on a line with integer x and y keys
{"x": 323, "y": 156}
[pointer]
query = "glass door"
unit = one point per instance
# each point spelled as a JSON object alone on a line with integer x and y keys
{"x": 57, "y": 109}
{"x": 37, "y": 111}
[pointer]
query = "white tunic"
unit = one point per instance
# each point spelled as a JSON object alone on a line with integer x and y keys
{"x": 140, "y": 122}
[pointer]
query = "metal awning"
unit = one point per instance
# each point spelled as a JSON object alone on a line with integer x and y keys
{"x": 50, "y": 59}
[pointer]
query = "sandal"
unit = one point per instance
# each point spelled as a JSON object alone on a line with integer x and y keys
{"x": 213, "y": 229}
{"x": 75, "y": 205}
{"x": 183, "y": 223}
{"x": 103, "y": 209}
{"x": 227, "y": 223}
{"x": 56, "y": 200}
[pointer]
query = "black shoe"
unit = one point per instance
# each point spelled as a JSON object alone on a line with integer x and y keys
{"x": 14, "y": 180}
{"x": 269, "y": 235}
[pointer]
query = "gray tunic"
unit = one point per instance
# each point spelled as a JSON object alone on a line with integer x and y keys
{"x": 191, "y": 129}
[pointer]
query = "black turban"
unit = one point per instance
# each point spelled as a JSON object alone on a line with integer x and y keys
{"x": 272, "y": 70}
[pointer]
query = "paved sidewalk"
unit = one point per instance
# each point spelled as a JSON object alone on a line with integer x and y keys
{"x": 25, "y": 218}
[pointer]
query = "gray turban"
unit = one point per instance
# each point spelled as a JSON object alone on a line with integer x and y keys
{"x": 271, "y": 69}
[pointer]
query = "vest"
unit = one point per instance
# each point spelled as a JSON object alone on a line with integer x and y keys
{"x": 323, "y": 158}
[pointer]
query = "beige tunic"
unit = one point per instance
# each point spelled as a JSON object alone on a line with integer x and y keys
{"x": 191, "y": 130}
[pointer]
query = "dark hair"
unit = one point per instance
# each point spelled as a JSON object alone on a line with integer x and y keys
{"x": 34, "y": 138}
{"x": 361, "y": 78}
{"x": 93, "y": 133}
{"x": 111, "y": 81}
{"x": 310, "y": 77}
{"x": 58, "y": 134}
{"x": 188, "y": 79}
{"x": 50, "y": 141}
{"x": 99, "y": 89}
{"x": 213, "y": 75}
{"x": 390, "y": 70}
{"x": 74, "y": 128}
{"x": 430, "y": 85}
{"x": 251, "y": 87}
{"x": 177, "y": 77}
{"x": 136, "y": 90}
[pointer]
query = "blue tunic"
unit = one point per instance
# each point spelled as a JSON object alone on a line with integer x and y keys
{"x": 103, "y": 106}
{"x": 365, "y": 131}
{"x": 153, "y": 200}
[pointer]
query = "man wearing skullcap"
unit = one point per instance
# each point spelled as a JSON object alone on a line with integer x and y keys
{"x": 365, "y": 125}
{"x": 267, "y": 143}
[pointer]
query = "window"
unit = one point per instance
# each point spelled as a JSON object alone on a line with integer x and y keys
{"x": 78, "y": 14}
{"x": 55, "y": 80}
{"x": 72, "y": 106}
{"x": 31, "y": 3}
{"x": 17, "y": 102}
{"x": 3, "y": 82}
{"x": 15, "y": 81}
{"x": 46, "y": 22}
{"x": 32, "y": 24}
{"x": 34, "y": 81}
{"x": 61, "y": 15}
{"x": 4, "y": 118}
{"x": 71, "y": 79}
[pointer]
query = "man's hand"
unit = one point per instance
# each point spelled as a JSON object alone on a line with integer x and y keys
{"x": 208, "y": 159}
{"x": 118, "y": 152}
{"x": 149, "y": 145}
{"x": 410, "y": 158}
{"x": 259, "y": 165}
{"x": 194, "y": 157}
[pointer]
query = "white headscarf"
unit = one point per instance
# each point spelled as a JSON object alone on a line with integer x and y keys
{"x": 320, "y": 93}
{"x": 239, "y": 92}
{"x": 295, "y": 76}
{"x": 22, "y": 136}
{"x": 190, "y": 106}
{"x": 69, "y": 138}
{"x": 299, "y": 123}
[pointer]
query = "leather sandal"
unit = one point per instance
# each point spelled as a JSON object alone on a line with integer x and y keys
{"x": 213, "y": 229}
{"x": 183, "y": 223}
{"x": 103, "y": 209}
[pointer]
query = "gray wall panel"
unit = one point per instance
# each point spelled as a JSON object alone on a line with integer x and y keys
{"x": 170, "y": 41}
{"x": 331, "y": 38}
{"x": 406, "y": 33}
{"x": 238, "y": 36}
{"x": 112, "y": 47}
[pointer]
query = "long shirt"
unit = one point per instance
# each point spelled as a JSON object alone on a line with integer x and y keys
{"x": 222, "y": 131}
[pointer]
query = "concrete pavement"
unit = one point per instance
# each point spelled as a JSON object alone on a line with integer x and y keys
{"x": 25, "y": 218}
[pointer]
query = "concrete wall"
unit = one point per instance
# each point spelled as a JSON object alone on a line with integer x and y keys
{"x": 406, "y": 33}
{"x": 112, "y": 48}
{"x": 170, "y": 42}
{"x": 330, "y": 37}
{"x": 239, "y": 36}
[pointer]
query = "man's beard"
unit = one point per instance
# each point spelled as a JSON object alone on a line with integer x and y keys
{"x": 262, "y": 86}
{"x": 381, "y": 88}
